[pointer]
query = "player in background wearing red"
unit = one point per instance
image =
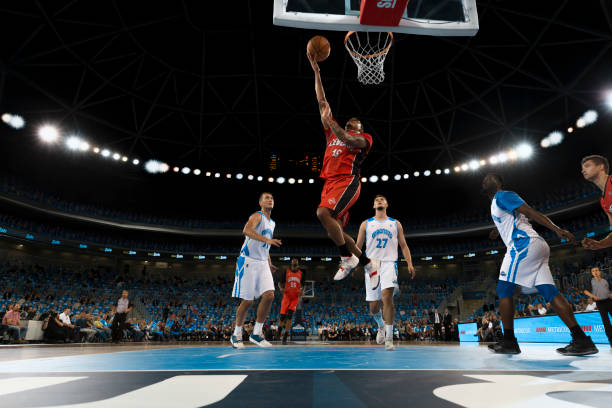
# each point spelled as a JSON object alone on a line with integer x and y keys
{"x": 346, "y": 149}
{"x": 292, "y": 290}
{"x": 596, "y": 169}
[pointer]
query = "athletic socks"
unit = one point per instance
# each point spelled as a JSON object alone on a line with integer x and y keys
{"x": 389, "y": 331}
{"x": 379, "y": 320}
{"x": 344, "y": 251}
{"x": 363, "y": 259}
{"x": 509, "y": 334}
{"x": 577, "y": 333}
{"x": 238, "y": 331}
{"x": 258, "y": 328}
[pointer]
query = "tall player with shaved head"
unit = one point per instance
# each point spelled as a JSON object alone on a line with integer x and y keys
{"x": 596, "y": 169}
{"x": 346, "y": 149}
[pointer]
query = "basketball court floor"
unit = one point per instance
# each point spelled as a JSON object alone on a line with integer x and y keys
{"x": 313, "y": 375}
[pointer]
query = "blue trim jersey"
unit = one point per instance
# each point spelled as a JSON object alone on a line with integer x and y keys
{"x": 257, "y": 249}
{"x": 514, "y": 228}
{"x": 382, "y": 239}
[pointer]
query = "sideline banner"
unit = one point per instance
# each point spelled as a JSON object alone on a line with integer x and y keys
{"x": 545, "y": 329}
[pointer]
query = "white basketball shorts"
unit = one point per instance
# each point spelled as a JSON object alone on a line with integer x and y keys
{"x": 528, "y": 266}
{"x": 253, "y": 278}
{"x": 388, "y": 279}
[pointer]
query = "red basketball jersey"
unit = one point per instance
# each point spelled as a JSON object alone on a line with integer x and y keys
{"x": 293, "y": 282}
{"x": 340, "y": 159}
{"x": 606, "y": 198}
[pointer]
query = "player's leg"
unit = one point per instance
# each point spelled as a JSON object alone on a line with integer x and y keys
{"x": 288, "y": 325}
{"x": 244, "y": 290}
{"x": 389, "y": 315}
{"x": 334, "y": 230}
{"x": 374, "y": 299}
{"x": 264, "y": 287}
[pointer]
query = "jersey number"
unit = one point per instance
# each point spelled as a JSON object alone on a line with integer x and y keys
{"x": 382, "y": 243}
{"x": 293, "y": 285}
{"x": 336, "y": 152}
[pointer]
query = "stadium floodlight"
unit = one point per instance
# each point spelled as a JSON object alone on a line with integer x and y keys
{"x": 406, "y": 176}
{"x": 250, "y": 177}
{"x": 96, "y": 150}
{"x": 438, "y": 171}
{"x": 73, "y": 142}
{"x": 270, "y": 179}
{"x": 124, "y": 159}
{"x": 291, "y": 180}
{"x": 105, "y": 152}
{"x": 364, "y": 180}
{"x": 512, "y": 155}
{"x": 483, "y": 162}
{"x": 197, "y": 172}
{"x": 555, "y": 138}
{"x": 524, "y": 151}
{"x": 373, "y": 178}
{"x": 208, "y": 174}
{"x": 493, "y": 160}
{"x": 239, "y": 176}
{"x": 464, "y": 166}
{"x": 590, "y": 117}
{"x": 259, "y": 178}
{"x": 384, "y": 177}
{"x": 427, "y": 173}
{"x": 502, "y": 157}
{"x": 135, "y": 162}
{"x": 228, "y": 176}
{"x": 397, "y": 177}
{"x": 609, "y": 99}
{"x": 545, "y": 143}
{"x": 570, "y": 129}
{"x": 474, "y": 164}
{"x": 6, "y": 117}
{"x": 217, "y": 175}
{"x": 176, "y": 169}
{"x": 580, "y": 123}
{"x": 155, "y": 166}
{"x": 446, "y": 171}
{"x": 280, "y": 180}
{"x": 116, "y": 156}
{"x": 300, "y": 181}
{"x": 14, "y": 121}
{"x": 457, "y": 169}
{"x": 48, "y": 134}
{"x": 416, "y": 174}
{"x": 185, "y": 170}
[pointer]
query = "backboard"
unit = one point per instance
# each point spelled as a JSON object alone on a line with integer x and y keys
{"x": 421, "y": 17}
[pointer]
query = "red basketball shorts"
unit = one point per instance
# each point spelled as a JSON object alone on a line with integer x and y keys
{"x": 339, "y": 194}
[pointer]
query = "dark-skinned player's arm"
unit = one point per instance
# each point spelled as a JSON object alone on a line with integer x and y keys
{"x": 405, "y": 250}
{"x": 318, "y": 86}
{"x": 357, "y": 141}
{"x": 249, "y": 231}
{"x": 546, "y": 222}
{"x": 592, "y": 244}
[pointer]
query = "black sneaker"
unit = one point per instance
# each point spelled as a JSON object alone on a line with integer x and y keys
{"x": 505, "y": 347}
{"x": 583, "y": 347}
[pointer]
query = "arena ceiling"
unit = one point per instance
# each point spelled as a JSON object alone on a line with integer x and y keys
{"x": 223, "y": 88}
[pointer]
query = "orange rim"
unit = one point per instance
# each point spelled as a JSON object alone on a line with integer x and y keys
{"x": 357, "y": 55}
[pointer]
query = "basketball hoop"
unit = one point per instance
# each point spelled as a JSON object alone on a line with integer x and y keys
{"x": 369, "y": 51}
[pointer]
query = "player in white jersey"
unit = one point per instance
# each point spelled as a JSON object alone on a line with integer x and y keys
{"x": 382, "y": 235}
{"x": 526, "y": 264}
{"x": 254, "y": 272}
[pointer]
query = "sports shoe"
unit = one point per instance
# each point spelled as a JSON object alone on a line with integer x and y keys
{"x": 583, "y": 347}
{"x": 347, "y": 264}
{"x": 236, "y": 342}
{"x": 259, "y": 340}
{"x": 505, "y": 347}
{"x": 389, "y": 345}
{"x": 372, "y": 269}
{"x": 380, "y": 335}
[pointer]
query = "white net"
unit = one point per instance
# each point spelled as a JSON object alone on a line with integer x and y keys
{"x": 369, "y": 51}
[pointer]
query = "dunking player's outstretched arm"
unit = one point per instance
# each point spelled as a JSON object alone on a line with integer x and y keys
{"x": 348, "y": 138}
{"x": 249, "y": 231}
{"x": 405, "y": 250}
{"x": 546, "y": 222}
{"x": 318, "y": 85}
{"x": 590, "y": 243}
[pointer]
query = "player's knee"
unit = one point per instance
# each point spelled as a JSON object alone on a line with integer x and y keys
{"x": 505, "y": 289}
{"x": 268, "y": 296}
{"x": 547, "y": 291}
{"x": 247, "y": 303}
{"x": 323, "y": 213}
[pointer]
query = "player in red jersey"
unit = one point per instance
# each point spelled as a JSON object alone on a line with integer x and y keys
{"x": 346, "y": 149}
{"x": 292, "y": 290}
{"x": 596, "y": 169}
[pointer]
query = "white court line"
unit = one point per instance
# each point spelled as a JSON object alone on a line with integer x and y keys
{"x": 21, "y": 384}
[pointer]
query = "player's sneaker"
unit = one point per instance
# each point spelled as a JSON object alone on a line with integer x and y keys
{"x": 505, "y": 347}
{"x": 259, "y": 340}
{"x": 389, "y": 345}
{"x": 373, "y": 271}
{"x": 380, "y": 335}
{"x": 347, "y": 264}
{"x": 236, "y": 342}
{"x": 579, "y": 348}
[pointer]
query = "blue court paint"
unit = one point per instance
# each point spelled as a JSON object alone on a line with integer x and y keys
{"x": 535, "y": 357}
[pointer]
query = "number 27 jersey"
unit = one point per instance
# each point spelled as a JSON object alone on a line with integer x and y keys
{"x": 381, "y": 239}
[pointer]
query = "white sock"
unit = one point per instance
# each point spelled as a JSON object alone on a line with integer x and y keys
{"x": 238, "y": 331}
{"x": 379, "y": 320}
{"x": 258, "y": 328}
{"x": 389, "y": 331}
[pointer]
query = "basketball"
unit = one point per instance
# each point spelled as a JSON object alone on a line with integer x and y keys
{"x": 319, "y": 47}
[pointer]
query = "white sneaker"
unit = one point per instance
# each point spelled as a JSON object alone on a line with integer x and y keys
{"x": 373, "y": 271}
{"x": 380, "y": 335}
{"x": 259, "y": 340}
{"x": 236, "y": 342}
{"x": 389, "y": 345}
{"x": 347, "y": 264}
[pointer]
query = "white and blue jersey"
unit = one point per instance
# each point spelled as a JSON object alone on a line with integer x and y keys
{"x": 526, "y": 261}
{"x": 381, "y": 239}
{"x": 257, "y": 249}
